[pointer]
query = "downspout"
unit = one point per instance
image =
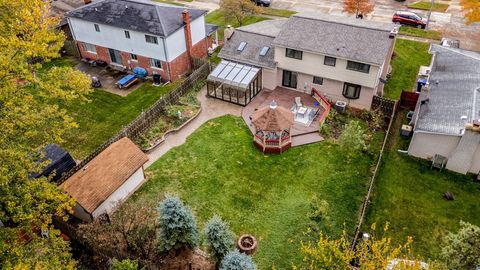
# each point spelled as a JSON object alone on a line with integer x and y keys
{"x": 166, "y": 59}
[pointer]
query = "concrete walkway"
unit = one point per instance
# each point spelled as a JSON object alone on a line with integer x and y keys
{"x": 211, "y": 108}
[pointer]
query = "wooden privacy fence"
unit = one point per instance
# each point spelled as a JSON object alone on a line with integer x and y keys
{"x": 385, "y": 105}
{"x": 409, "y": 100}
{"x": 147, "y": 118}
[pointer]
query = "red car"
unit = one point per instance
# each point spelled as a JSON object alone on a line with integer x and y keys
{"x": 409, "y": 18}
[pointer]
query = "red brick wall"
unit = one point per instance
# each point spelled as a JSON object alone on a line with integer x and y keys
{"x": 199, "y": 50}
{"x": 170, "y": 71}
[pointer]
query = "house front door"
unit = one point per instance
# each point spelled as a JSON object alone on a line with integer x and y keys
{"x": 289, "y": 79}
{"x": 115, "y": 56}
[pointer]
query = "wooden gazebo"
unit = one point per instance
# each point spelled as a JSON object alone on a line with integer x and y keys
{"x": 272, "y": 128}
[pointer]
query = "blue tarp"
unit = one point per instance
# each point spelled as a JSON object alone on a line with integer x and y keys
{"x": 125, "y": 80}
{"x": 140, "y": 72}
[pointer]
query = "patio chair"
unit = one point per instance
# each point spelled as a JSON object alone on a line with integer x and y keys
{"x": 298, "y": 102}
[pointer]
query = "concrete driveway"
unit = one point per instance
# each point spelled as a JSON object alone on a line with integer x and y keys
{"x": 450, "y": 23}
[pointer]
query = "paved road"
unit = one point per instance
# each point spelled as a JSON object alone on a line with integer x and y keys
{"x": 450, "y": 23}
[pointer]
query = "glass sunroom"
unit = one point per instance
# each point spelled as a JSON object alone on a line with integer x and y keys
{"x": 234, "y": 82}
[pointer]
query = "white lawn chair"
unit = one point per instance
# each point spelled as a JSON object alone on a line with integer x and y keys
{"x": 298, "y": 103}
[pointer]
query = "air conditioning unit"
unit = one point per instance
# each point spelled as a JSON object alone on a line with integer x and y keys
{"x": 424, "y": 71}
{"x": 341, "y": 106}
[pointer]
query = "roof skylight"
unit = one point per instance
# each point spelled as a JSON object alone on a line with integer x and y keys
{"x": 241, "y": 46}
{"x": 264, "y": 51}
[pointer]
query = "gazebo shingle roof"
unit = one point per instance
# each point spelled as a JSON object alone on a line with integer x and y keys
{"x": 273, "y": 118}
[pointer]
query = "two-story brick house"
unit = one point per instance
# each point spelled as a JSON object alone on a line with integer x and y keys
{"x": 343, "y": 58}
{"x": 129, "y": 33}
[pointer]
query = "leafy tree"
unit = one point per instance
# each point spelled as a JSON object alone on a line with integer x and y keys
{"x": 131, "y": 231}
{"x": 471, "y": 9}
{"x": 370, "y": 254}
{"x": 126, "y": 264}
{"x": 20, "y": 249}
{"x": 177, "y": 225}
{"x": 238, "y": 9}
{"x": 462, "y": 249}
{"x": 219, "y": 237}
{"x": 31, "y": 116}
{"x": 353, "y": 137}
{"x": 235, "y": 260}
{"x": 358, "y": 7}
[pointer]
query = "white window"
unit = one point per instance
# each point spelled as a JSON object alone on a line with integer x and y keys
{"x": 97, "y": 28}
{"x": 134, "y": 57}
{"x": 155, "y": 63}
{"x": 90, "y": 48}
{"x": 151, "y": 39}
{"x": 127, "y": 34}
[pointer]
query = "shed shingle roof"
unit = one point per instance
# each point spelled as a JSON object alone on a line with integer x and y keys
{"x": 137, "y": 15}
{"x": 457, "y": 93}
{"x": 359, "y": 40}
{"x": 104, "y": 174}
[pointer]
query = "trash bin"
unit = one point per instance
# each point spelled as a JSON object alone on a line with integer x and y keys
{"x": 420, "y": 83}
{"x": 341, "y": 106}
{"x": 157, "y": 79}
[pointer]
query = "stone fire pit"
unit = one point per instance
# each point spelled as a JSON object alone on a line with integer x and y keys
{"x": 247, "y": 244}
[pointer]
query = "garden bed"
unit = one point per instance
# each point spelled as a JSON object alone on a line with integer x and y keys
{"x": 175, "y": 117}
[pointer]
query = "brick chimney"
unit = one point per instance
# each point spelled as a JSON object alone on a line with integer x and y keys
{"x": 188, "y": 32}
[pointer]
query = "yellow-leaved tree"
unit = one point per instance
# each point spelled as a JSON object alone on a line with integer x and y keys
{"x": 372, "y": 253}
{"x": 31, "y": 116}
{"x": 238, "y": 9}
{"x": 471, "y": 9}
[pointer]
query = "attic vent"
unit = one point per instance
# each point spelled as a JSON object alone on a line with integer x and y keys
{"x": 264, "y": 51}
{"x": 241, "y": 46}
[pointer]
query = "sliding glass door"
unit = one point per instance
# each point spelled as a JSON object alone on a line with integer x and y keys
{"x": 289, "y": 79}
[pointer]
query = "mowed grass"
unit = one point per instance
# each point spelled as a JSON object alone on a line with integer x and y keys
{"x": 409, "y": 56}
{"x": 105, "y": 114}
{"x": 408, "y": 194}
{"x": 415, "y": 32}
{"x": 277, "y": 12}
{"x": 218, "y": 171}
{"x": 218, "y": 17}
{"x": 425, "y": 5}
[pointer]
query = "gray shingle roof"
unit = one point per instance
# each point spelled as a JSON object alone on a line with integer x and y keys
{"x": 269, "y": 28}
{"x": 138, "y": 15}
{"x": 251, "y": 52}
{"x": 359, "y": 40}
{"x": 210, "y": 28}
{"x": 457, "y": 93}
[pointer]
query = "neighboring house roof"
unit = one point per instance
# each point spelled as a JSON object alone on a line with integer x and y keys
{"x": 104, "y": 174}
{"x": 344, "y": 37}
{"x": 137, "y": 15}
{"x": 256, "y": 36}
{"x": 210, "y": 28}
{"x": 454, "y": 92}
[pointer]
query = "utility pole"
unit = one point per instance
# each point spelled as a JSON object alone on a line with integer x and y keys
{"x": 429, "y": 14}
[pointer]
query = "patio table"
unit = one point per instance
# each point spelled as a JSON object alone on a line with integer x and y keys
{"x": 302, "y": 111}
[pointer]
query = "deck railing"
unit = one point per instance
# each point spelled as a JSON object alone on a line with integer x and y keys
{"x": 323, "y": 102}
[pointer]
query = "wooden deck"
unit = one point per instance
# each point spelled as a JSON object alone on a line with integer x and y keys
{"x": 301, "y": 134}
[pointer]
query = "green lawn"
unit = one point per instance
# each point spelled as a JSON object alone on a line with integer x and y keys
{"x": 218, "y": 171}
{"x": 218, "y": 17}
{"x": 105, "y": 114}
{"x": 408, "y": 194}
{"x": 277, "y": 12}
{"x": 425, "y": 5}
{"x": 415, "y": 32}
{"x": 409, "y": 56}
